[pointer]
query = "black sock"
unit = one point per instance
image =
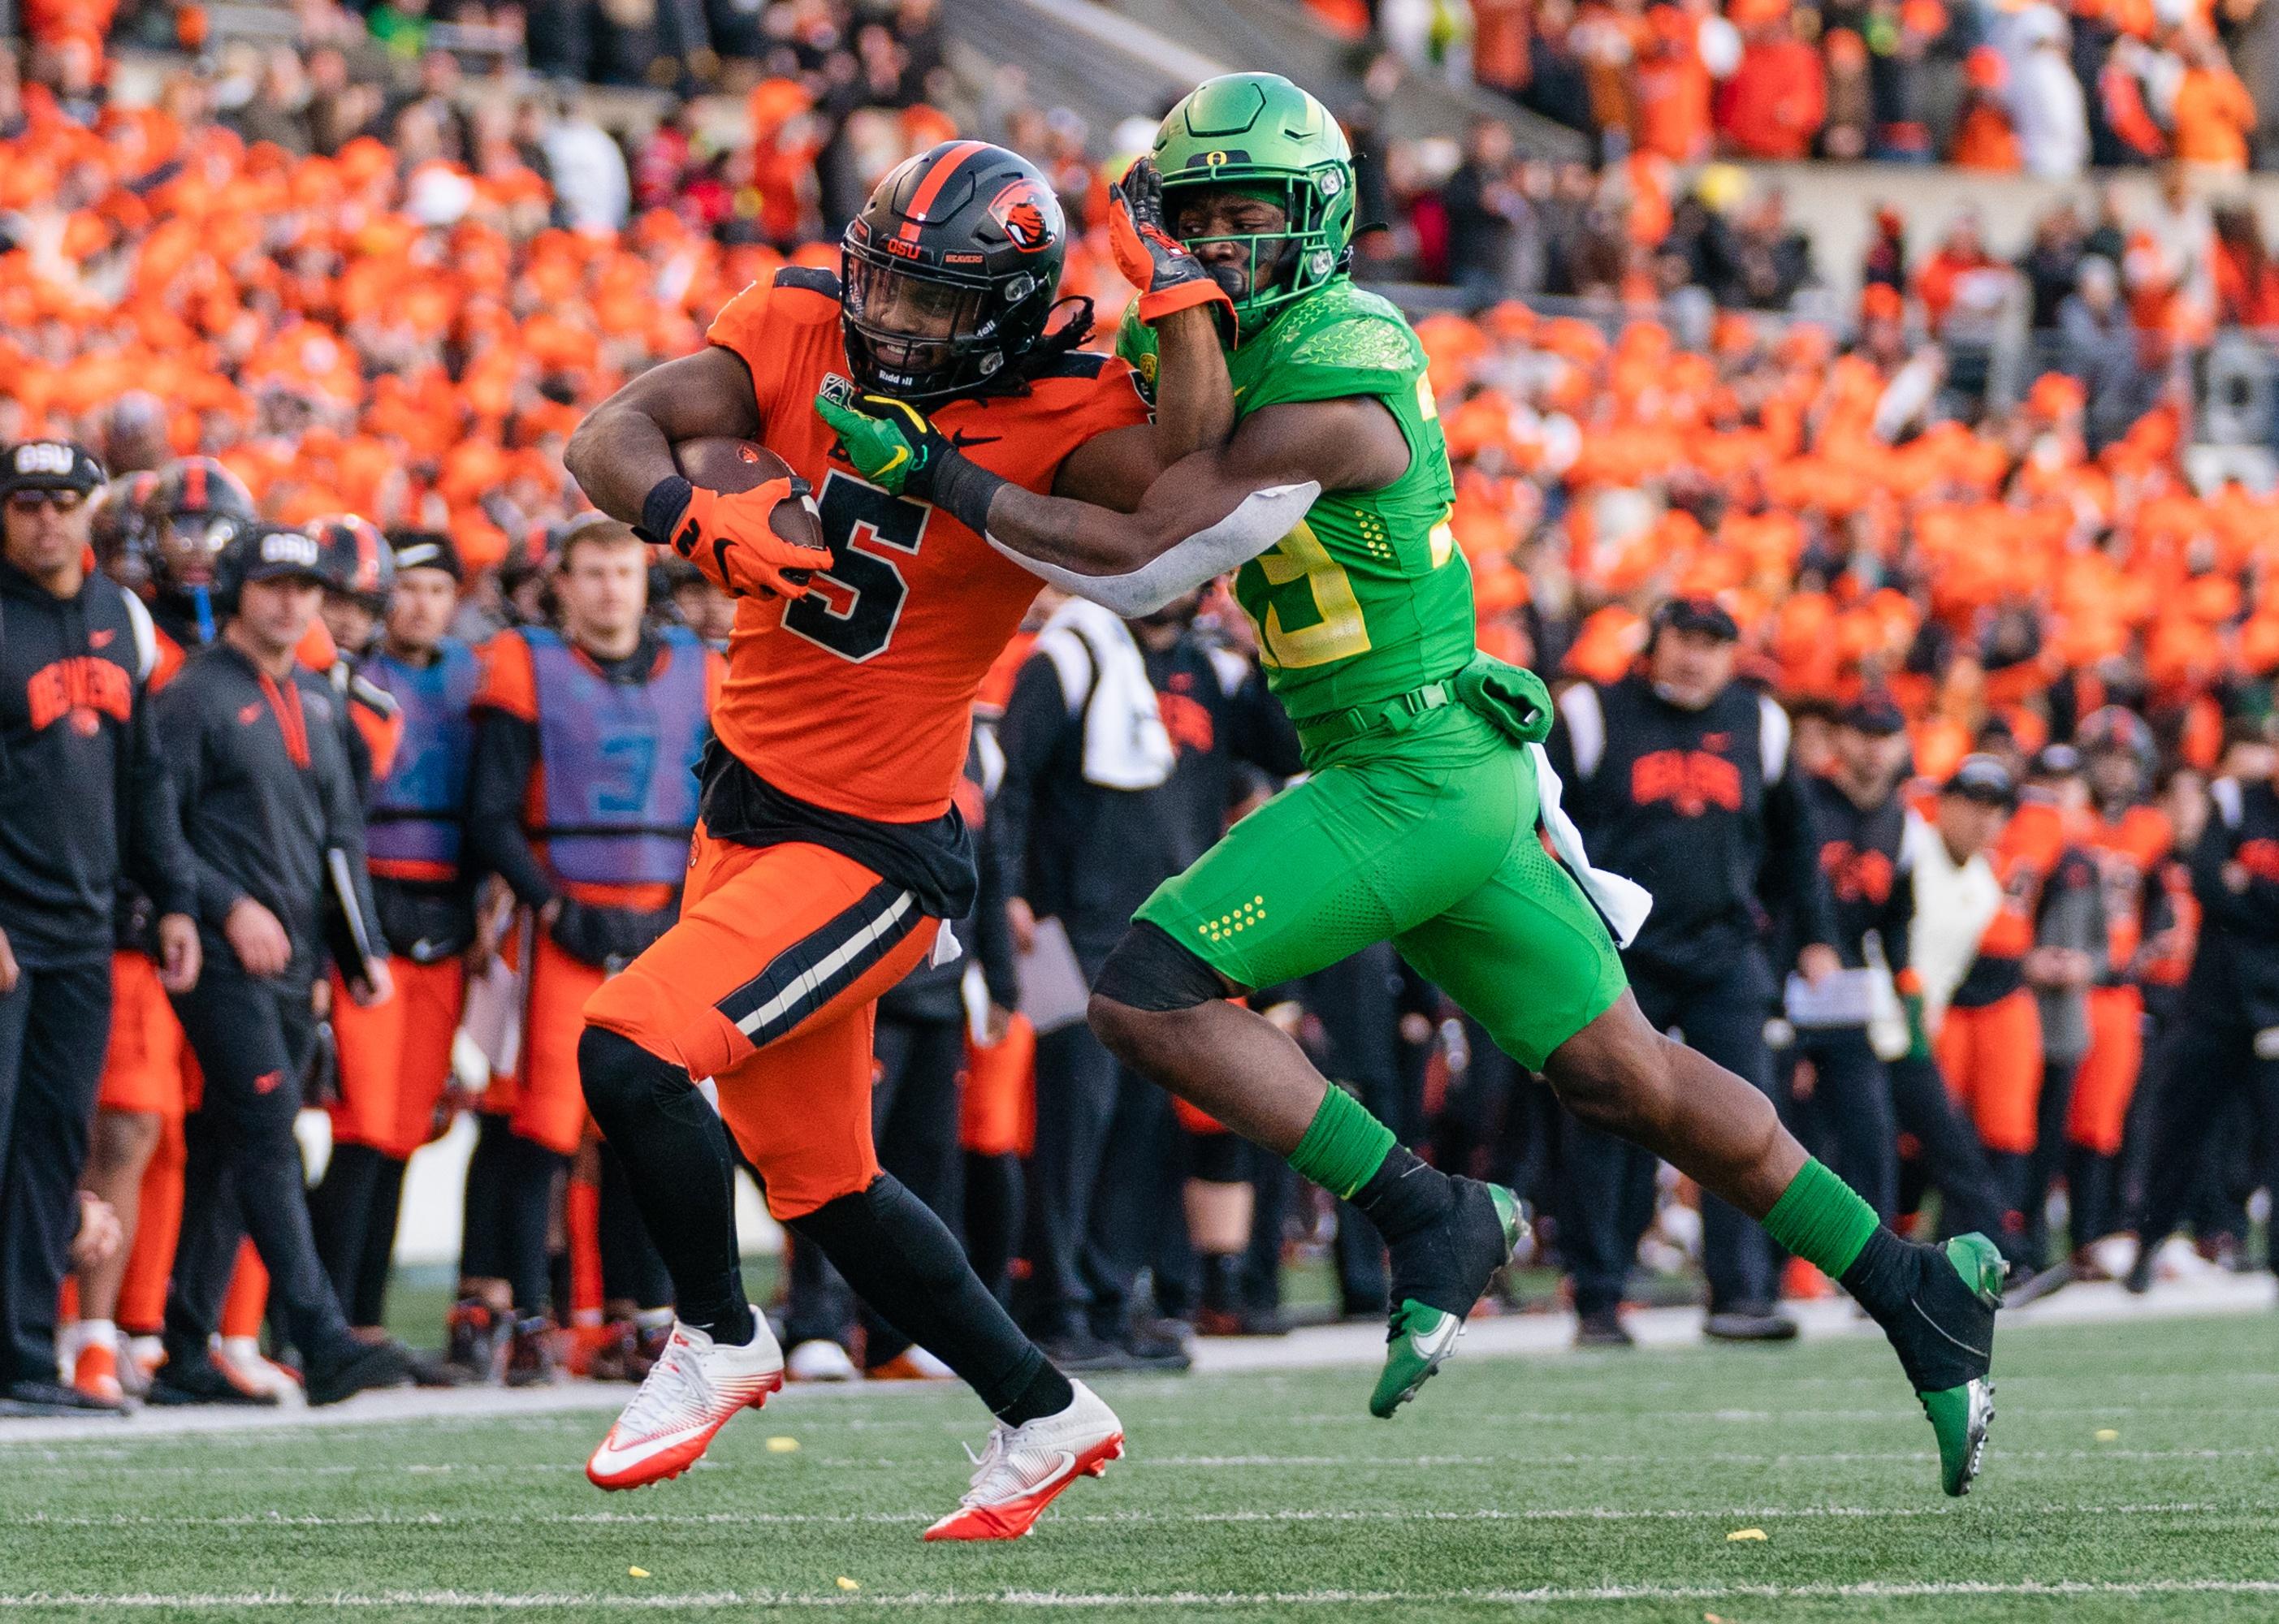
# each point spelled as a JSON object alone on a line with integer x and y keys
{"x": 482, "y": 1232}
{"x": 680, "y": 1172}
{"x": 371, "y": 1294}
{"x": 992, "y": 1216}
{"x": 1223, "y": 1281}
{"x": 340, "y": 1209}
{"x": 1047, "y": 1393}
{"x": 902, "y": 1259}
{"x": 1883, "y": 1278}
{"x": 1404, "y": 1195}
{"x": 533, "y": 1173}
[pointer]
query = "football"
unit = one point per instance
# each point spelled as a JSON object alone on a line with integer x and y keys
{"x": 724, "y": 462}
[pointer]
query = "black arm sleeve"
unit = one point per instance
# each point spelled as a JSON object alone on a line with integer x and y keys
{"x": 152, "y": 849}
{"x": 1262, "y": 733}
{"x": 993, "y": 933}
{"x": 498, "y": 781}
{"x": 343, "y": 795}
{"x": 1792, "y": 859}
{"x": 182, "y": 735}
{"x": 1029, "y": 733}
{"x": 1895, "y": 919}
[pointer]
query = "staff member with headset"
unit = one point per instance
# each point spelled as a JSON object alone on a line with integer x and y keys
{"x": 257, "y": 752}
{"x": 396, "y": 1057}
{"x": 83, "y": 793}
{"x": 1679, "y": 777}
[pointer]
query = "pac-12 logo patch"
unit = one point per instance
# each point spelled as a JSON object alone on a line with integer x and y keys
{"x": 1029, "y": 213}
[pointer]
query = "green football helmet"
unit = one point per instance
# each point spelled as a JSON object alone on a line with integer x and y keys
{"x": 1261, "y": 132}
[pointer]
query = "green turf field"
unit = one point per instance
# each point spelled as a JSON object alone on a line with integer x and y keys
{"x": 1601, "y": 1487}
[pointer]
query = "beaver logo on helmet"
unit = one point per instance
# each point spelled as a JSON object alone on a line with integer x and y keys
{"x": 1029, "y": 214}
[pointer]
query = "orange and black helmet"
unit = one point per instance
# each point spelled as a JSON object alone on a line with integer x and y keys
{"x": 197, "y": 508}
{"x": 949, "y": 271}
{"x": 355, "y": 559}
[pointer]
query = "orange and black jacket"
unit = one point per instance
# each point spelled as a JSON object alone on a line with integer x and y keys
{"x": 83, "y": 791}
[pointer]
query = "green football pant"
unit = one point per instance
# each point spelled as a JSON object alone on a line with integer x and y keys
{"x": 1427, "y": 839}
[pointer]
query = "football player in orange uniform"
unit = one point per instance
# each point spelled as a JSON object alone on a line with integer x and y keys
{"x": 2131, "y": 840}
{"x": 828, "y": 850}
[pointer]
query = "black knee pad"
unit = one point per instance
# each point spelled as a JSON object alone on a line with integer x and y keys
{"x": 1150, "y": 971}
{"x": 619, "y": 1075}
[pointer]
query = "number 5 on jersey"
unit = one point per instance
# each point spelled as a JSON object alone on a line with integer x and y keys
{"x": 852, "y": 608}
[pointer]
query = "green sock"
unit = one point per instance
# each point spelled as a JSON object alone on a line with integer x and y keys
{"x": 1343, "y": 1144}
{"x": 1822, "y": 1220}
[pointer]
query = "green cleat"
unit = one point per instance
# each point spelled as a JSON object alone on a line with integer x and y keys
{"x": 1423, "y": 1336}
{"x": 1947, "y": 1348}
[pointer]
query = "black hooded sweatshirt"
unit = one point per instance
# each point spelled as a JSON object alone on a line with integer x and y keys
{"x": 83, "y": 787}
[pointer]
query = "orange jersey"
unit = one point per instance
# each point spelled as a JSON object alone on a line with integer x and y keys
{"x": 859, "y": 700}
{"x": 2023, "y": 858}
{"x": 2127, "y": 851}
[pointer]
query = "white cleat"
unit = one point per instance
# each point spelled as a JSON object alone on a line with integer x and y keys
{"x": 693, "y": 1390}
{"x": 1025, "y": 1468}
{"x": 249, "y": 1371}
{"x": 820, "y": 1359}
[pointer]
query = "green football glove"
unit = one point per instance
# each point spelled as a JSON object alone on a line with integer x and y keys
{"x": 891, "y": 443}
{"x": 895, "y": 446}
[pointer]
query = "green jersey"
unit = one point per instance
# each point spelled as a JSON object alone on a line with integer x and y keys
{"x": 1369, "y": 597}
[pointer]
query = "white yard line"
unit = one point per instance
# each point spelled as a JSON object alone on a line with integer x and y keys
{"x": 1537, "y": 1335}
{"x": 106, "y": 1464}
{"x": 1532, "y": 1513}
{"x": 1546, "y": 1596}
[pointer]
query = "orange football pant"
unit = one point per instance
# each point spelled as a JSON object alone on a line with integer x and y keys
{"x": 1993, "y": 1059}
{"x": 2108, "y": 1077}
{"x": 396, "y": 1057}
{"x": 768, "y": 986}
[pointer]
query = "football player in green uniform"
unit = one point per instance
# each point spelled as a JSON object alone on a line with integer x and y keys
{"x": 1429, "y": 816}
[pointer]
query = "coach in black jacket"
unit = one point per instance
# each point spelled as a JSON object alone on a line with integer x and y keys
{"x": 82, "y": 793}
{"x": 1679, "y": 777}
{"x": 2225, "y": 1041}
{"x": 256, "y": 749}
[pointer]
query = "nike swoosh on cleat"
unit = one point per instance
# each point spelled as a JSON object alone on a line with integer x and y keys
{"x": 610, "y": 1458}
{"x": 1986, "y": 1353}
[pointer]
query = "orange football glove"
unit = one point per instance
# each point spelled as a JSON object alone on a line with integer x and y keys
{"x": 1154, "y": 261}
{"x": 725, "y": 535}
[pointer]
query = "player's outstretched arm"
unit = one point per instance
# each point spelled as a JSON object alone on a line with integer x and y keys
{"x": 1210, "y": 513}
{"x": 1192, "y": 314}
{"x": 624, "y": 449}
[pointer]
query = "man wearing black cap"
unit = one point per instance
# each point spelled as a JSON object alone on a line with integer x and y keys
{"x": 1956, "y": 896}
{"x": 1841, "y": 1088}
{"x": 257, "y": 750}
{"x": 82, "y": 794}
{"x": 396, "y": 1057}
{"x": 1679, "y": 779}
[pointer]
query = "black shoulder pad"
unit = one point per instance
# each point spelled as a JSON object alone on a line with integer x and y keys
{"x": 1073, "y": 364}
{"x": 809, "y": 278}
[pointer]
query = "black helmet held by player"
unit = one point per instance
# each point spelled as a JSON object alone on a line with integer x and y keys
{"x": 949, "y": 271}
{"x": 356, "y": 560}
{"x": 122, "y": 528}
{"x": 198, "y": 508}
